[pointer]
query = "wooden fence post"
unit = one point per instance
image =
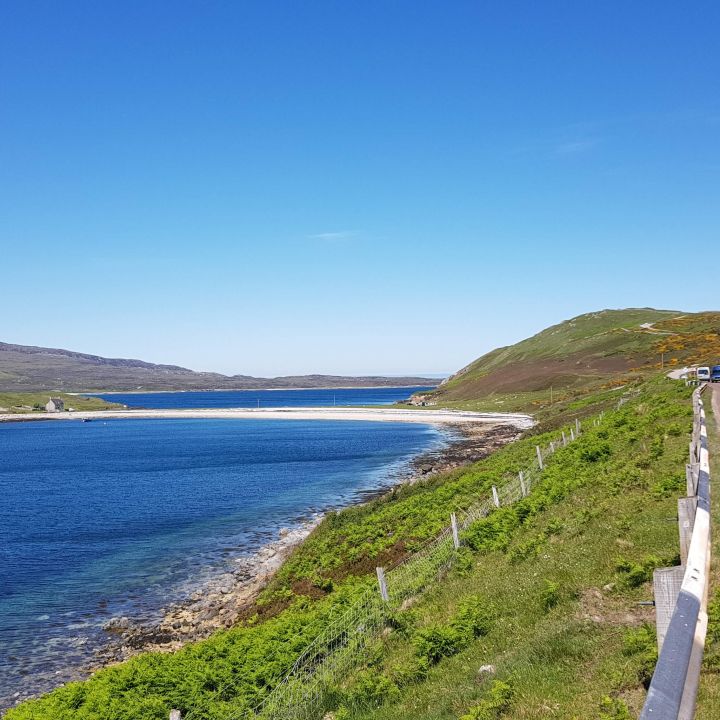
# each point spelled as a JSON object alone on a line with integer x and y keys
{"x": 383, "y": 584}
{"x": 572, "y": 434}
{"x": 666, "y": 586}
{"x": 496, "y": 497}
{"x": 577, "y": 426}
{"x": 453, "y": 524}
{"x": 523, "y": 488}
{"x": 564, "y": 439}
{"x": 691, "y": 478}
{"x": 687, "y": 507}
{"x": 552, "y": 446}
{"x": 539, "y": 456}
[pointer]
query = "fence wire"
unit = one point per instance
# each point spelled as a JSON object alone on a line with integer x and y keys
{"x": 304, "y": 692}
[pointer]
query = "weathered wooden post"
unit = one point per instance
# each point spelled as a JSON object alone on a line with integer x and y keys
{"x": 687, "y": 508}
{"x": 666, "y": 586}
{"x": 577, "y": 426}
{"x": 175, "y": 715}
{"x": 572, "y": 434}
{"x": 496, "y": 497}
{"x": 564, "y": 439}
{"x": 691, "y": 478}
{"x": 382, "y": 583}
{"x": 523, "y": 488}
{"x": 539, "y": 456}
{"x": 453, "y": 525}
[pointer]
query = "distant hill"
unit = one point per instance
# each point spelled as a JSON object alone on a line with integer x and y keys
{"x": 26, "y": 368}
{"x": 589, "y": 351}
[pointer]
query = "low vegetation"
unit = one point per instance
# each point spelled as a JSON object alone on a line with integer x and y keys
{"x": 600, "y": 351}
{"x": 35, "y": 402}
{"x": 538, "y": 618}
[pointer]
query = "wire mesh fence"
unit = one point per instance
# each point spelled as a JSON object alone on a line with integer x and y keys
{"x": 305, "y": 692}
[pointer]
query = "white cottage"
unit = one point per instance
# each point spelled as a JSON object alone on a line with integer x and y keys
{"x": 55, "y": 405}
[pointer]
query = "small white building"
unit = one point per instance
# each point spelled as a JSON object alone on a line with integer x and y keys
{"x": 55, "y": 405}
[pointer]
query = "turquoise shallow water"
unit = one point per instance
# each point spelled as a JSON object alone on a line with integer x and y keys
{"x": 120, "y": 517}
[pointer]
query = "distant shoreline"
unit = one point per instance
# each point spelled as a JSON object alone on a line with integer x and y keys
{"x": 427, "y": 417}
{"x": 96, "y": 393}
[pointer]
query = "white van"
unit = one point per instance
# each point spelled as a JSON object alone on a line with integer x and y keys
{"x": 703, "y": 374}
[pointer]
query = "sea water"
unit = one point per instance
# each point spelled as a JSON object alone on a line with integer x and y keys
{"x": 118, "y": 517}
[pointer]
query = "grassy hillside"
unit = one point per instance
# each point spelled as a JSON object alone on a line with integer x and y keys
{"x": 546, "y": 592}
{"x": 35, "y": 402}
{"x": 540, "y": 615}
{"x": 596, "y": 351}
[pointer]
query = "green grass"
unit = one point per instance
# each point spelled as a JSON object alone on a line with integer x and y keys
{"x": 563, "y": 583}
{"x": 590, "y": 353}
{"x": 566, "y": 645}
{"x": 35, "y": 402}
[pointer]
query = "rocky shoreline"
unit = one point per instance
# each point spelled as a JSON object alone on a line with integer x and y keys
{"x": 222, "y": 601}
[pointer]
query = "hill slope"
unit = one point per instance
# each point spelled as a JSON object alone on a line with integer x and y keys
{"x": 598, "y": 349}
{"x": 539, "y": 616}
{"x": 26, "y": 368}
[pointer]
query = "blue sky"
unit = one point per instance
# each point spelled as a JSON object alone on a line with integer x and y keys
{"x": 280, "y": 187}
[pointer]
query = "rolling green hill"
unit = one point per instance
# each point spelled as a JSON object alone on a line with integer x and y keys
{"x": 540, "y": 614}
{"x": 590, "y": 352}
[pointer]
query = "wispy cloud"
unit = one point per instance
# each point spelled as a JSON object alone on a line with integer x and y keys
{"x": 334, "y": 236}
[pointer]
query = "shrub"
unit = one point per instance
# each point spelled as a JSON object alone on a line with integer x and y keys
{"x": 595, "y": 451}
{"x": 474, "y": 617}
{"x": 464, "y": 562}
{"x": 635, "y": 574}
{"x": 411, "y": 670}
{"x": 493, "y": 532}
{"x": 668, "y": 486}
{"x": 524, "y": 550}
{"x": 498, "y": 700}
{"x": 614, "y": 709}
{"x": 372, "y": 689}
{"x": 641, "y": 644}
{"x": 437, "y": 641}
{"x": 403, "y": 621}
{"x": 550, "y": 595}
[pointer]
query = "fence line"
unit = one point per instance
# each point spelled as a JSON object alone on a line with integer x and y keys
{"x": 673, "y": 689}
{"x": 343, "y": 643}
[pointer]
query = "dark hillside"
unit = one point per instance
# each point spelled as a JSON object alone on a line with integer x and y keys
{"x": 25, "y": 368}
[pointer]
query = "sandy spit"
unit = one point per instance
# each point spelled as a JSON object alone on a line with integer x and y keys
{"x": 428, "y": 417}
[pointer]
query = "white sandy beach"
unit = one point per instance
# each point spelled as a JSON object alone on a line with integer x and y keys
{"x": 430, "y": 417}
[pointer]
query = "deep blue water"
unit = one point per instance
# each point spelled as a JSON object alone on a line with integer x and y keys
{"x": 264, "y": 398}
{"x": 118, "y": 517}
